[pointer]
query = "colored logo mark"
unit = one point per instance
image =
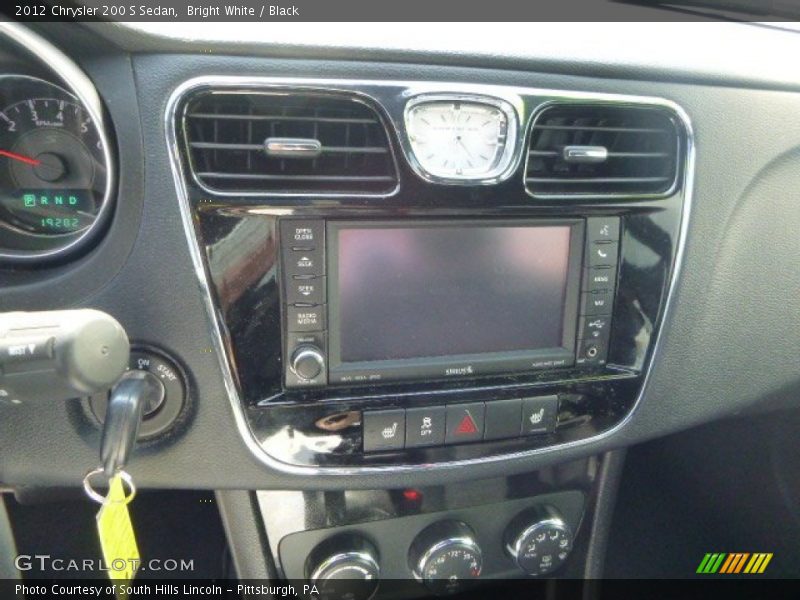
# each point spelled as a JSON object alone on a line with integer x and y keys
{"x": 734, "y": 562}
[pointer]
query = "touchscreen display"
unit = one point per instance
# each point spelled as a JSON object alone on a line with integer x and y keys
{"x": 455, "y": 289}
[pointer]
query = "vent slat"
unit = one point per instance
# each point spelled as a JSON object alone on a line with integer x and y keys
{"x": 310, "y": 119}
{"x": 265, "y": 177}
{"x": 225, "y": 135}
{"x": 642, "y": 145}
{"x": 260, "y": 148}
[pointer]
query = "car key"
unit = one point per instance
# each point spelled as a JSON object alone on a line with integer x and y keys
{"x": 124, "y": 413}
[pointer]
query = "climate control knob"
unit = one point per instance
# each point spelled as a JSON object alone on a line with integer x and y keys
{"x": 538, "y": 540}
{"x": 344, "y": 566}
{"x": 445, "y": 556}
{"x": 307, "y": 362}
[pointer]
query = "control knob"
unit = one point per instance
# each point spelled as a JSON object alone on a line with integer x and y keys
{"x": 307, "y": 362}
{"x": 344, "y": 566}
{"x": 538, "y": 540}
{"x": 445, "y": 557}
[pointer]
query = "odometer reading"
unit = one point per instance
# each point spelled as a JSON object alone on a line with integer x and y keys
{"x": 52, "y": 173}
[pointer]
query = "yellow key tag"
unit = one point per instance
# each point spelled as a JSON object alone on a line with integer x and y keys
{"x": 117, "y": 540}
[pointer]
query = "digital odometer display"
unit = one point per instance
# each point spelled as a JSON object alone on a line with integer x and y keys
{"x": 52, "y": 173}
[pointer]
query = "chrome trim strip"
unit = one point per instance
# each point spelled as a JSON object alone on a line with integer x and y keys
{"x": 509, "y": 160}
{"x": 292, "y": 147}
{"x": 79, "y": 85}
{"x": 218, "y": 340}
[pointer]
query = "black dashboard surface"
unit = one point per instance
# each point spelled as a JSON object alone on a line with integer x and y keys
{"x": 729, "y": 343}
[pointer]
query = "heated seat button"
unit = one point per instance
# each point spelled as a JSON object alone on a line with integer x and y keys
{"x": 464, "y": 423}
{"x": 425, "y": 426}
{"x": 384, "y": 430}
{"x": 503, "y": 419}
{"x": 539, "y": 414}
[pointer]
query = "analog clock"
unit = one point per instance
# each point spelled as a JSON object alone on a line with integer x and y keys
{"x": 461, "y": 139}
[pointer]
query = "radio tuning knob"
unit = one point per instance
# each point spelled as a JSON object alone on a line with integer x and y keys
{"x": 538, "y": 540}
{"x": 307, "y": 362}
{"x": 344, "y": 567}
{"x": 445, "y": 556}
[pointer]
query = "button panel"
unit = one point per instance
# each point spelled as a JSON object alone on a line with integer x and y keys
{"x": 454, "y": 424}
{"x": 302, "y": 244}
{"x": 601, "y": 257}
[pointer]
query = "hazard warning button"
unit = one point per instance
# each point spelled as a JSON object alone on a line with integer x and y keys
{"x": 464, "y": 423}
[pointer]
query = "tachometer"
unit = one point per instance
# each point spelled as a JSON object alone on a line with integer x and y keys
{"x": 54, "y": 171}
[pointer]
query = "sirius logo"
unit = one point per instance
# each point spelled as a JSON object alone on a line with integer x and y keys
{"x": 459, "y": 371}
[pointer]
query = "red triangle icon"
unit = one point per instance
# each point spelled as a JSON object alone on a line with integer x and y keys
{"x": 467, "y": 425}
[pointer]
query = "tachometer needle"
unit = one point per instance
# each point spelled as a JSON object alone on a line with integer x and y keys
{"x": 26, "y": 159}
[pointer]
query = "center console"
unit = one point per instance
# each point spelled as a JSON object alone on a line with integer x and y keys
{"x": 405, "y": 274}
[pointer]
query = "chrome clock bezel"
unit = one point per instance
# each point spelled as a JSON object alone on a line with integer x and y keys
{"x": 509, "y": 159}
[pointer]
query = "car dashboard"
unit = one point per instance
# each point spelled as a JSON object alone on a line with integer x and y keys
{"x": 407, "y": 304}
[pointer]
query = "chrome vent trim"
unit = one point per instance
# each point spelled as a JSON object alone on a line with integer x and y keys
{"x": 637, "y": 149}
{"x": 353, "y": 152}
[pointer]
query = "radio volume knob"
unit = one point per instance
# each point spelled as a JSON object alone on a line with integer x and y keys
{"x": 307, "y": 362}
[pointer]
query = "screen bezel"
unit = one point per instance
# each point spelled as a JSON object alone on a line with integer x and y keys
{"x": 450, "y": 366}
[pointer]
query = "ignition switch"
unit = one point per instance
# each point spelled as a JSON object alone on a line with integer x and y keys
{"x": 162, "y": 410}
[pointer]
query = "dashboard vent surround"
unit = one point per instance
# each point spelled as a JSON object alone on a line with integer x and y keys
{"x": 603, "y": 150}
{"x": 326, "y": 144}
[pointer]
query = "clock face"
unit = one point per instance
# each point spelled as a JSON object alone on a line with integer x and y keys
{"x": 454, "y": 139}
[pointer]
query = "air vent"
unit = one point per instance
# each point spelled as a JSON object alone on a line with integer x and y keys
{"x": 602, "y": 150}
{"x": 287, "y": 142}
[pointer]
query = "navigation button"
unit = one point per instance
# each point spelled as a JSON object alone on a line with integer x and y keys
{"x": 539, "y": 415}
{"x": 425, "y": 426}
{"x": 602, "y": 229}
{"x": 384, "y": 430}
{"x": 602, "y": 254}
{"x": 464, "y": 423}
{"x": 503, "y": 419}
{"x": 302, "y": 233}
{"x": 597, "y": 303}
{"x": 306, "y": 318}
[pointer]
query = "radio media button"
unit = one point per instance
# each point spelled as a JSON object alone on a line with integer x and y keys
{"x": 602, "y": 254}
{"x": 464, "y": 423}
{"x": 306, "y": 290}
{"x": 425, "y": 426}
{"x": 306, "y": 318}
{"x": 594, "y": 327}
{"x": 599, "y": 278}
{"x": 384, "y": 430}
{"x": 503, "y": 419}
{"x": 539, "y": 415}
{"x": 600, "y": 229}
{"x": 592, "y": 351}
{"x": 305, "y": 262}
{"x": 302, "y": 233}
{"x": 597, "y": 303}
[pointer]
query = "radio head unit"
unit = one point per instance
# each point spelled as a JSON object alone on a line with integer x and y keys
{"x": 390, "y": 300}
